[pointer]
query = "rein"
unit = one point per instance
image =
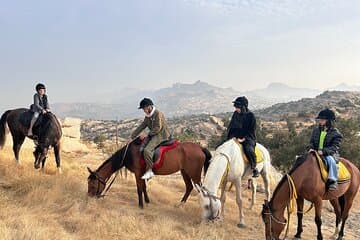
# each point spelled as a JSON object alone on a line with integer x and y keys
{"x": 212, "y": 198}
{"x": 103, "y": 194}
{"x": 290, "y": 207}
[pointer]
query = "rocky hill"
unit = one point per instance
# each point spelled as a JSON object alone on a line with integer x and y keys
{"x": 346, "y": 104}
{"x": 207, "y": 127}
{"x": 180, "y": 100}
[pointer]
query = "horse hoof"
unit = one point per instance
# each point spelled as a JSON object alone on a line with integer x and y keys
{"x": 59, "y": 171}
{"x": 241, "y": 225}
{"x": 296, "y": 238}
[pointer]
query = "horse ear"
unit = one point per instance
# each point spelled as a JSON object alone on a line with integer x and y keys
{"x": 90, "y": 171}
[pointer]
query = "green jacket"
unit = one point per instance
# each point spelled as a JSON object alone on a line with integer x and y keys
{"x": 157, "y": 125}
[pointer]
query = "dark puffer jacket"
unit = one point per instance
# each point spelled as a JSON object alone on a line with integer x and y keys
{"x": 332, "y": 142}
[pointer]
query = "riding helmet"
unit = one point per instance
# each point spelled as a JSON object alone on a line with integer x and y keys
{"x": 39, "y": 86}
{"x": 241, "y": 102}
{"x": 145, "y": 102}
{"x": 326, "y": 114}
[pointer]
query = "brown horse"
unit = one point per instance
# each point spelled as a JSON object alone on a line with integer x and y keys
{"x": 306, "y": 181}
{"x": 187, "y": 157}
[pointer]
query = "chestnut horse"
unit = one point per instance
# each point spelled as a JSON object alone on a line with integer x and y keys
{"x": 188, "y": 158}
{"x": 305, "y": 181}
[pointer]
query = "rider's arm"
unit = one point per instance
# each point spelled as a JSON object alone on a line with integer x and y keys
{"x": 47, "y": 107}
{"x": 37, "y": 103}
{"x": 139, "y": 129}
{"x": 334, "y": 144}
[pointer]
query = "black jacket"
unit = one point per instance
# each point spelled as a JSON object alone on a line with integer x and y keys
{"x": 332, "y": 141}
{"x": 242, "y": 125}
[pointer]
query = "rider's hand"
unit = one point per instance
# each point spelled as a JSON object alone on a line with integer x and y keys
{"x": 44, "y": 111}
{"x": 311, "y": 150}
{"x": 241, "y": 140}
{"x": 143, "y": 136}
{"x": 320, "y": 152}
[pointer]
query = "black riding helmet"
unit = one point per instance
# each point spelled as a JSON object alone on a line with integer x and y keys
{"x": 145, "y": 102}
{"x": 326, "y": 114}
{"x": 39, "y": 86}
{"x": 241, "y": 102}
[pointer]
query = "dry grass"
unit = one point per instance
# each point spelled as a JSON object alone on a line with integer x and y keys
{"x": 43, "y": 205}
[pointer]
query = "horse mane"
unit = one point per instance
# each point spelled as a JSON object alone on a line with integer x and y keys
{"x": 298, "y": 162}
{"x": 50, "y": 120}
{"x": 117, "y": 158}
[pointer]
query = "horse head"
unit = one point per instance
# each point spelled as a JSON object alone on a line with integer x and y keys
{"x": 40, "y": 155}
{"x": 273, "y": 226}
{"x": 96, "y": 184}
{"x": 210, "y": 204}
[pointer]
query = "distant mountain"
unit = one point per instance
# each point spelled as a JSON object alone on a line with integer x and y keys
{"x": 346, "y": 104}
{"x": 179, "y": 100}
{"x": 346, "y": 87}
{"x": 279, "y": 92}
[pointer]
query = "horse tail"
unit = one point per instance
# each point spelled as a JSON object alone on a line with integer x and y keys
{"x": 3, "y": 129}
{"x": 207, "y": 159}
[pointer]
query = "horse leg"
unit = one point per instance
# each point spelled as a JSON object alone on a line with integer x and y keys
{"x": 337, "y": 209}
{"x": 140, "y": 186}
{"x": 17, "y": 142}
{"x": 345, "y": 203}
{"x": 237, "y": 183}
{"x": 300, "y": 213}
{"x": 223, "y": 198}
{"x": 43, "y": 163}
{"x": 188, "y": 186}
{"x": 146, "y": 197}
{"x": 253, "y": 193}
{"x": 57, "y": 157}
{"x": 318, "y": 207}
{"x": 266, "y": 180}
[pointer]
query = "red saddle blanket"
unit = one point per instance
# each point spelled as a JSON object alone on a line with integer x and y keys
{"x": 159, "y": 155}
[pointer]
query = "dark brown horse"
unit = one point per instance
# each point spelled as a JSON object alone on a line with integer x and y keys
{"x": 188, "y": 158}
{"x": 306, "y": 181}
{"x": 47, "y": 130}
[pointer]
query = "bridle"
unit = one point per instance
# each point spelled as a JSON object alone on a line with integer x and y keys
{"x": 99, "y": 193}
{"x": 273, "y": 218}
{"x": 212, "y": 198}
{"x": 289, "y": 207}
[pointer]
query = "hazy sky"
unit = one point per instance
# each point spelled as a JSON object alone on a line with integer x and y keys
{"x": 81, "y": 48}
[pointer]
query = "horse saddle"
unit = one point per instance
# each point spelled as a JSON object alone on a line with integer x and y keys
{"x": 343, "y": 173}
{"x": 258, "y": 153}
{"x": 158, "y": 158}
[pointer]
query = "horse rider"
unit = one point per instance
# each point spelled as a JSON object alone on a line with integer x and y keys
{"x": 155, "y": 121}
{"x": 242, "y": 127}
{"x": 40, "y": 105}
{"x": 326, "y": 139}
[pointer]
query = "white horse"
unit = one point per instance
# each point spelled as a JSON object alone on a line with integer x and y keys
{"x": 226, "y": 165}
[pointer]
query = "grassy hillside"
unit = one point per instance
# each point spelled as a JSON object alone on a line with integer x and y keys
{"x": 43, "y": 205}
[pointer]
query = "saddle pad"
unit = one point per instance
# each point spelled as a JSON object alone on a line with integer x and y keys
{"x": 343, "y": 173}
{"x": 258, "y": 153}
{"x": 159, "y": 155}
